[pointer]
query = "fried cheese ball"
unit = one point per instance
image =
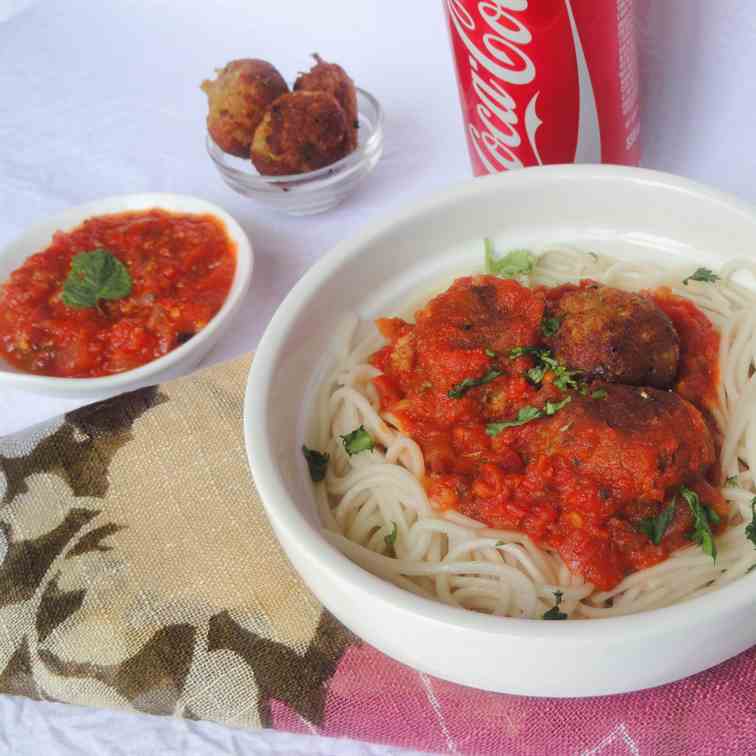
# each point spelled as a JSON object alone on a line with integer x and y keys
{"x": 614, "y": 335}
{"x": 333, "y": 79}
{"x": 637, "y": 442}
{"x": 237, "y": 100}
{"x": 300, "y": 132}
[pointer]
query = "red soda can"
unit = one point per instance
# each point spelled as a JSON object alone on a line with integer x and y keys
{"x": 546, "y": 81}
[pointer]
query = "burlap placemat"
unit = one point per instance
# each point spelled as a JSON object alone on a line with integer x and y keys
{"x": 139, "y": 572}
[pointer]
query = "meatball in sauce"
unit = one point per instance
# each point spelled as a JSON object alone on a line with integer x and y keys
{"x": 613, "y": 335}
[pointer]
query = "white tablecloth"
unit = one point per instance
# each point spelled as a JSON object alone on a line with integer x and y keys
{"x": 103, "y": 98}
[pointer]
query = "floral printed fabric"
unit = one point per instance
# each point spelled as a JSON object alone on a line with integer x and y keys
{"x": 138, "y": 571}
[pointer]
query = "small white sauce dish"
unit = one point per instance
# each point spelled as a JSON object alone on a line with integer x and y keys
{"x": 177, "y": 362}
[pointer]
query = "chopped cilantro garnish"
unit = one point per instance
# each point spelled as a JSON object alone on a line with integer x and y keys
{"x": 554, "y": 613}
{"x": 317, "y": 462}
{"x": 489, "y": 353}
{"x": 526, "y": 414}
{"x": 563, "y": 377}
{"x": 750, "y": 530}
{"x": 460, "y": 389}
{"x": 390, "y": 539}
{"x": 535, "y": 375}
{"x": 551, "y": 408}
{"x": 701, "y": 533}
{"x": 731, "y": 481}
{"x": 599, "y": 394}
{"x": 702, "y": 274}
{"x": 357, "y": 441}
{"x": 520, "y": 351}
{"x": 549, "y": 326}
{"x": 519, "y": 262}
{"x": 656, "y": 527}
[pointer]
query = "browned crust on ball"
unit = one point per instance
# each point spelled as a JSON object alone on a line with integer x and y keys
{"x": 300, "y": 132}
{"x": 615, "y": 335}
{"x": 333, "y": 79}
{"x": 237, "y": 101}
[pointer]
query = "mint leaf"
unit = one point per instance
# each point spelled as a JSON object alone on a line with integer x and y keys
{"x": 317, "y": 462}
{"x": 357, "y": 441}
{"x": 518, "y": 262}
{"x": 95, "y": 275}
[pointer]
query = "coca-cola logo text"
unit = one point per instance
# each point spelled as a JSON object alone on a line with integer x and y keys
{"x": 501, "y": 58}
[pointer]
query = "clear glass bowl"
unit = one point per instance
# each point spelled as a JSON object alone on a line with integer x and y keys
{"x": 316, "y": 191}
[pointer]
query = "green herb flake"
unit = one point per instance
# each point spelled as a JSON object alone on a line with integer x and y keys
{"x": 524, "y": 415}
{"x": 500, "y": 543}
{"x": 656, "y": 527}
{"x": 751, "y": 568}
{"x": 731, "y": 481}
{"x": 460, "y": 389}
{"x": 702, "y": 274}
{"x": 518, "y": 262}
{"x": 317, "y": 462}
{"x": 357, "y": 441}
{"x": 489, "y": 353}
{"x": 554, "y": 613}
{"x": 95, "y": 275}
{"x": 564, "y": 378}
{"x": 701, "y": 533}
{"x": 551, "y": 408}
{"x": 599, "y": 394}
{"x": 521, "y": 351}
{"x": 535, "y": 375}
{"x": 750, "y": 530}
{"x": 390, "y": 539}
{"x": 549, "y": 326}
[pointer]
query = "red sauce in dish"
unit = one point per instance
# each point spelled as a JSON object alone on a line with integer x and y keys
{"x": 698, "y": 372}
{"x": 181, "y": 266}
{"x": 521, "y": 479}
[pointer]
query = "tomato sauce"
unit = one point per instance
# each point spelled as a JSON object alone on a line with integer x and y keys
{"x": 181, "y": 267}
{"x": 469, "y": 332}
{"x": 698, "y": 371}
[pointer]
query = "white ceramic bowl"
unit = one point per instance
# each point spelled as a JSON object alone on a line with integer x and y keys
{"x": 177, "y": 362}
{"x": 629, "y": 213}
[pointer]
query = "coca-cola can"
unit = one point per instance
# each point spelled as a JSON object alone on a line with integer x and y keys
{"x": 546, "y": 81}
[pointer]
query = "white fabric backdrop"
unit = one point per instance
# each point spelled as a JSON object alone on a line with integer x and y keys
{"x": 103, "y": 98}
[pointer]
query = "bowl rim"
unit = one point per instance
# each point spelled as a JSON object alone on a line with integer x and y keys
{"x": 360, "y": 154}
{"x": 291, "y": 526}
{"x": 177, "y": 203}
